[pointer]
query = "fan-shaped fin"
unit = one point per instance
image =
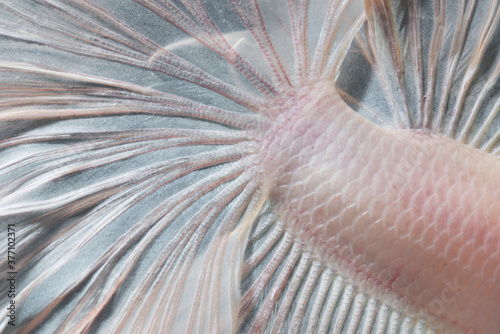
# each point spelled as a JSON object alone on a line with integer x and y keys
{"x": 442, "y": 79}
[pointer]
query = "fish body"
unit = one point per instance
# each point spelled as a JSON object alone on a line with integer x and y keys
{"x": 395, "y": 207}
{"x": 251, "y": 166}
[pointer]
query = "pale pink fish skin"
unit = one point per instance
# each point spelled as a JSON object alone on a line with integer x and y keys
{"x": 405, "y": 212}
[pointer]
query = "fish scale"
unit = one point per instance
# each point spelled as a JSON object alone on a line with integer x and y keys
{"x": 397, "y": 209}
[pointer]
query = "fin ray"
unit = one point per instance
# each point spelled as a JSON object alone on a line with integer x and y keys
{"x": 455, "y": 64}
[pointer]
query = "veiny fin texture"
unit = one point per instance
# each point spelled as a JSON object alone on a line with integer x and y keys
{"x": 438, "y": 63}
{"x": 190, "y": 166}
{"x": 115, "y": 215}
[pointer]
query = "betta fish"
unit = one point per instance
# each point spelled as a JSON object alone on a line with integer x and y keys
{"x": 250, "y": 166}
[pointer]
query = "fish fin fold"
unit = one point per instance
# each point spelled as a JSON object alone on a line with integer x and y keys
{"x": 81, "y": 194}
{"x": 287, "y": 289}
{"x": 439, "y": 66}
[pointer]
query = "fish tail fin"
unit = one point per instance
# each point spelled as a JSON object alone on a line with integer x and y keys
{"x": 131, "y": 205}
{"x": 200, "y": 290}
{"x": 102, "y": 237}
{"x": 438, "y": 65}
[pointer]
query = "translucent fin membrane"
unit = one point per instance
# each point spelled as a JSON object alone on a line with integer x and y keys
{"x": 89, "y": 30}
{"x": 438, "y": 64}
{"x": 127, "y": 196}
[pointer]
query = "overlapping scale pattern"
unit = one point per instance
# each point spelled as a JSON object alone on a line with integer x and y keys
{"x": 404, "y": 212}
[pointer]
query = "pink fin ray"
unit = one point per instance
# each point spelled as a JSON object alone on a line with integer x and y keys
{"x": 443, "y": 79}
